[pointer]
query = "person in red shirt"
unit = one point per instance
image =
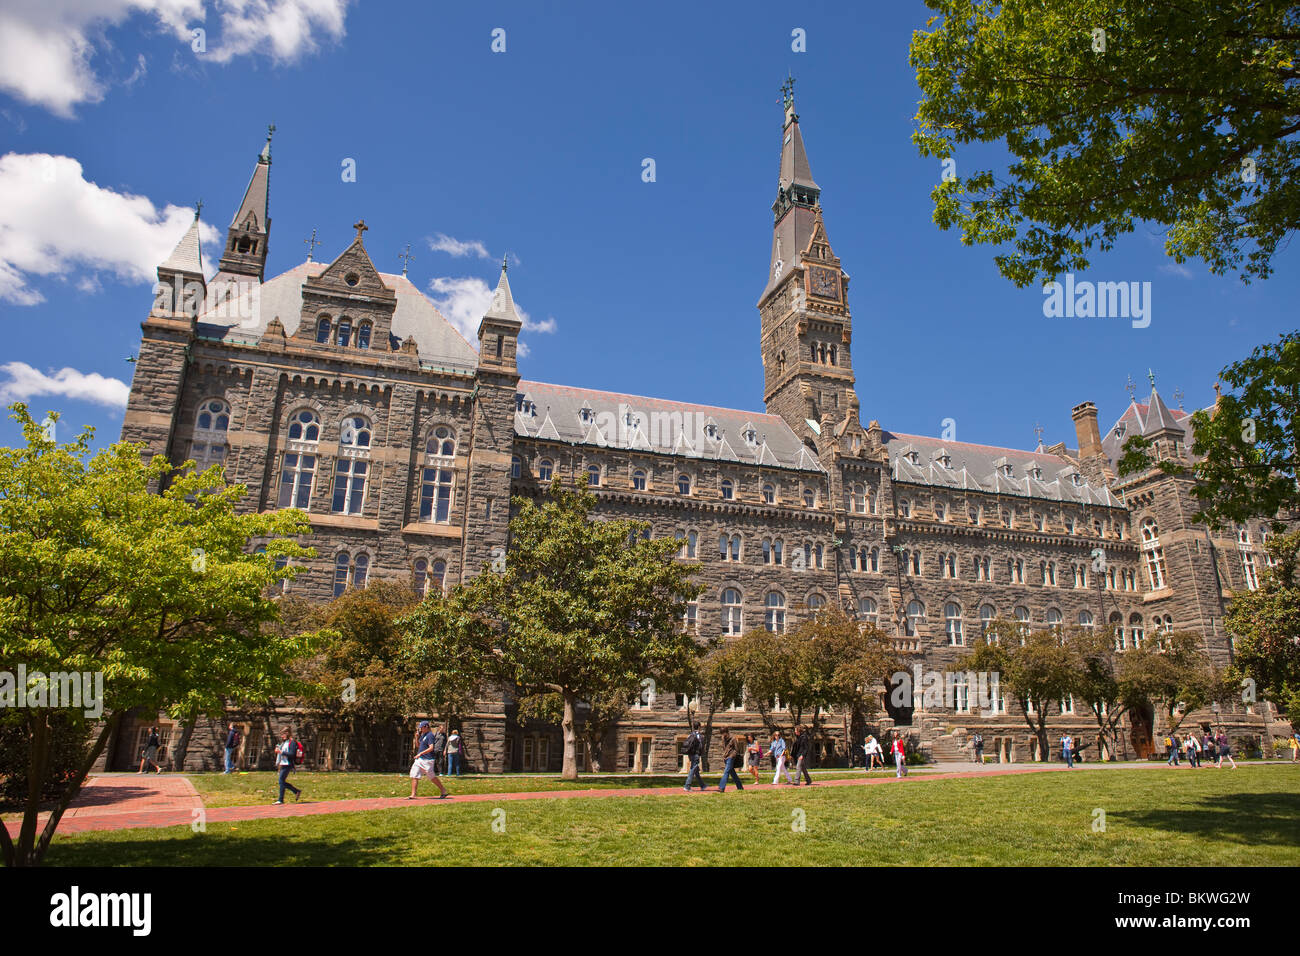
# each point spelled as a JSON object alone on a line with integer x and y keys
{"x": 900, "y": 756}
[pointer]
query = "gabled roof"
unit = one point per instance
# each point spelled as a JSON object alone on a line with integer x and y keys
{"x": 1142, "y": 419}
{"x": 980, "y": 467}
{"x": 654, "y": 424}
{"x": 255, "y": 304}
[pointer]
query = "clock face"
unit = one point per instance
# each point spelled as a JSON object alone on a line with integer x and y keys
{"x": 824, "y": 282}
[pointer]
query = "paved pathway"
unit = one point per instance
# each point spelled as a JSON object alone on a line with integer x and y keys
{"x": 128, "y": 802}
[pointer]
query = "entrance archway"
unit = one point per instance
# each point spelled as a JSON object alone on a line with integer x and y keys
{"x": 1141, "y": 723}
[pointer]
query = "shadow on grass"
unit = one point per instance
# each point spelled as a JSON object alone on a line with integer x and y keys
{"x": 1250, "y": 819}
{"x": 213, "y": 850}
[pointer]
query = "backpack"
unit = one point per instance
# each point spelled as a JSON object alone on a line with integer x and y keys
{"x": 692, "y": 745}
{"x": 237, "y": 739}
{"x": 298, "y": 753}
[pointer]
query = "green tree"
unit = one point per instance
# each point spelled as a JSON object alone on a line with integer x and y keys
{"x": 359, "y": 684}
{"x": 1175, "y": 673}
{"x": 158, "y": 592}
{"x": 1247, "y": 448}
{"x": 582, "y": 606}
{"x": 1115, "y": 111}
{"x": 1265, "y": 624}
{"x": 719, "y": 678}
{"x": 766, "y": 664}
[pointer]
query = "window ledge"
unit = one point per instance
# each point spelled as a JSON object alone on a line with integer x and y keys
{"x": 344, "y": 521}
{"x": 432, "y": 530}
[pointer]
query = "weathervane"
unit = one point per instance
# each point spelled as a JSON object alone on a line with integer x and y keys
{"x": 1178, "y": 397}
{"x": 1131, "y": 388}
{"x": 787, "y": 92}
{"x": 198, "y": 209}
{"x": 311, "y": 245}
{"x": 406, "y": 258}
{"x": 1038, "y": 431}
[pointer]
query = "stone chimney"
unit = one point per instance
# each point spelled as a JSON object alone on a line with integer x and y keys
{"x": 1085, "y": 427}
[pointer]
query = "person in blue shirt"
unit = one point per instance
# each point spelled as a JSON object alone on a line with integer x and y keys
{"x": 284, "y": 759}
{"x": 1067, "y": 750}
{"x": 778, "y": 754}
{"x": 425, "y": 764}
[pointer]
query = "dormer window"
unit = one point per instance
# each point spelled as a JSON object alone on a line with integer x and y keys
{"x": 1076, "y": 479}
{"x": 914, "y": 457}
{"x": 586, "y": 415}
{"x": 1036, "y": 473}
{"x": 945, "y": 460}
{"x": 711, "y": 431}
{"x": 1007, "y": 470}
{"x": 751, "y": 436}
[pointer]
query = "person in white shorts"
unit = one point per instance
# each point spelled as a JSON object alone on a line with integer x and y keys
{"x": 425, "y": 765}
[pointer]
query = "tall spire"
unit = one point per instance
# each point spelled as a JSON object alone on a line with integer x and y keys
{"x": 181, "y": 273}
{"x": 798, "y": 196}
{"x": 249, "y": 231}
{"x": 498, "y": 331}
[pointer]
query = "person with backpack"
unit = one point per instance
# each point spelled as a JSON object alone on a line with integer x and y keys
{"x": 802, "y": 753}
{"x": 425, "y": 764}
{"x": 287, "y": 756}
{"x": 777, "y": 749}
{"x": 232, "y": 747}
{"x": 753, "y": 755}
{"x": 693, "y": 749}
{"x": 729, "y": 756}
{"x": 977, "y": 745}
{"x": 900, "y": 756}
{"x": 1172, "y": 747}
{"x": 150, "y": 755}
{"x": 454, "y": 753}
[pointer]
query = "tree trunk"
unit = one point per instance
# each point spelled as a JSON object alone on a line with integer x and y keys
{"x": 183, "y": 743}
{"x": 570, "y": 767}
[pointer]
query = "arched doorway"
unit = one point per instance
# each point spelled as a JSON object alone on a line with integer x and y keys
{"x": 1141, "y": 722}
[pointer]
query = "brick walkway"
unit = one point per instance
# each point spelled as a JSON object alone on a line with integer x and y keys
{"x": 131, "y": 802}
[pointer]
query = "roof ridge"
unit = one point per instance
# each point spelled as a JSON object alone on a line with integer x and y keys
{"x": 651, "y": 398}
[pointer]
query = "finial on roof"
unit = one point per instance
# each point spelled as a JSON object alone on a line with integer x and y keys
{"x": 1131, "y": 388}
{"x": 1218, "y": 390}
{"x": 198, "y": 209}
{"x": 1038, "y": 430}
{"x": 787, "y": 93}
{"x": 504, "y": 264}
{"x": 311, "y": 245}
{"x": 360, "y": 226}
{"x": 265, "y": 155}
{"x": 1178, "y": 397}
{"x": 406, "y": 258}
{"x": 1152, "y": 376}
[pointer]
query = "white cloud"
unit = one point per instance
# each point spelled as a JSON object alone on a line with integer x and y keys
{"x": 458, "y": 247}
{"x": 1177, "y": 269}
{"x": 53, "y": 221}
{"x": 464, "y": 300}
{"x": 25, "y": 382}
{"x": 46, "y": 46}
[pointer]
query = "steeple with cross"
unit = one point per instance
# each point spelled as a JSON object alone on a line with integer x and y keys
{"x": 311, "y": 245}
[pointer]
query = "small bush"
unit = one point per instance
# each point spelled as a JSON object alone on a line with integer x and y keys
{"x": 68, "y": 748}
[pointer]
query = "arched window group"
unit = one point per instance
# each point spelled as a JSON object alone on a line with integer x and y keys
{"x": 211, "y": 424}
{"x": 352, "y": 467}
{"x": 1155, "y": 554}
{"x": 350, "y": 571}
{"x": 438, "y": 476}
{"x": 429, "y": 575}
{"x": 342, "y": 332}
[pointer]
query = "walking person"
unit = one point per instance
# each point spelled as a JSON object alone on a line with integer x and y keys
{"x": 729, "y": 756}
{"x": 977, "y": 744}
{"x": 232, "y": 746}
{"x": 1171, "y": 746}
{"x": 150, "y": 755}
{"x": 1067, "y": 750}
{"x": 1207, "y": 746}
{"x": 1190, "y": 746}
{"x": 802, "y": 753}
{"x": 1295, "y": 746}
{"x": 753, "y": 755}
{"x": 777, "y": 749}
{"x": 455, "y": 743}
{"x": 285, "y": 756}
{"x": 875, "y": 756}
{"x": 1225, "y": 750}
{"x": 694, "y": 749}
{"x": 425, "y": 764}
{"x": 900, "y": 756}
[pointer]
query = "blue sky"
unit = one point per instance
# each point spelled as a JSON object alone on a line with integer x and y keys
{"x": 646, "y": 288}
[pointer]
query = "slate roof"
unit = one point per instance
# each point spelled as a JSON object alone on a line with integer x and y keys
{"x": 187, "y": 256}
{"x": 917, "y": 459}
{"x": 584, "y": 416}
{"x": 246, "y": 316}
{"x": 1146, "y": 418}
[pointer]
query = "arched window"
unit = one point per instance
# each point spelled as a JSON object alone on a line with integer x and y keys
{"x": 732, "y": 615}
{"x": 420, "y": 575}
{"x": 735, "y": 547}
{"x": 952, "y": 624}
{"x": 350, "y": 571}
{"x": 438, "y": 575}
{"x": 544, "y": 469}
{"x": 438, "y": 476}
{"x": 777, "y": 547}
{"x": 692, "y": 542}
{"x": 1085, "y": 619}
{"x": 857, "y": 498}
{"x": 774, "y": 616}
{"x": 728, "y": 489}
{"x": 343, "y": 334}
{"x": 769, "y": 494}
{"x": 915, "y": 615}
{"x": 304, "y": 426}
{"x": 1155, "y": 554}
{"x": 873, "y": 563}
{"x": 867, "y": 610}
{"x": 638, "y": 480}
{"x": 809, "y": 498}
{"x": 1053, "y": 617}
{"x": 940, "y": 511}
{"x": 323, "y": 330}
{"x": 916, "y": 563}
{"x": 683, "y": 484}
{"x": 1135, "y": 630}
{"x": 363, "y": 335}
{"x": 593, "y": 476}
{"x": 1116, "y": 621}
{"x": 816, "y": 604}
{"x": 905, "y": 508}
{"x": 210, "y": 427}
{"x": 987, "y": 614}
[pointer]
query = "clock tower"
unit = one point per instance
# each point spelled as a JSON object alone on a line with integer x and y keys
{"x": 805, "y": 324}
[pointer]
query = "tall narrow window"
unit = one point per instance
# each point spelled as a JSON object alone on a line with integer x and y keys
{"x": 344, "y": 333}
{"x": 867, "y": 610}
{"x": 438, "y": 477}
{"x": 1155, "y": 554}
{"x": 593, "y": 476}
{"x": 210, "y": 426}
{"x": 732, "y": 616}
{"x": 952, "y": 625}
{"x": 295, "y": 480}
{"x": 728, "y": 489}
{"x": 323, "y": 330}
{"x": 915, "y": 615}
{"x": 352, "y": 467}
{"x": 545, "y": 467}
{"x": 774, "y": 616}
{"x": 683, "y": 485}
{"x": 363, "y": 335}
{"x": 769, "y": 494}
{"x": 638, "y": 480}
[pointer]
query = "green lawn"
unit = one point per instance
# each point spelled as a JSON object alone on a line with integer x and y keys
{"x": 248, "y": 789}
{"x": 1153, "y": 817}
